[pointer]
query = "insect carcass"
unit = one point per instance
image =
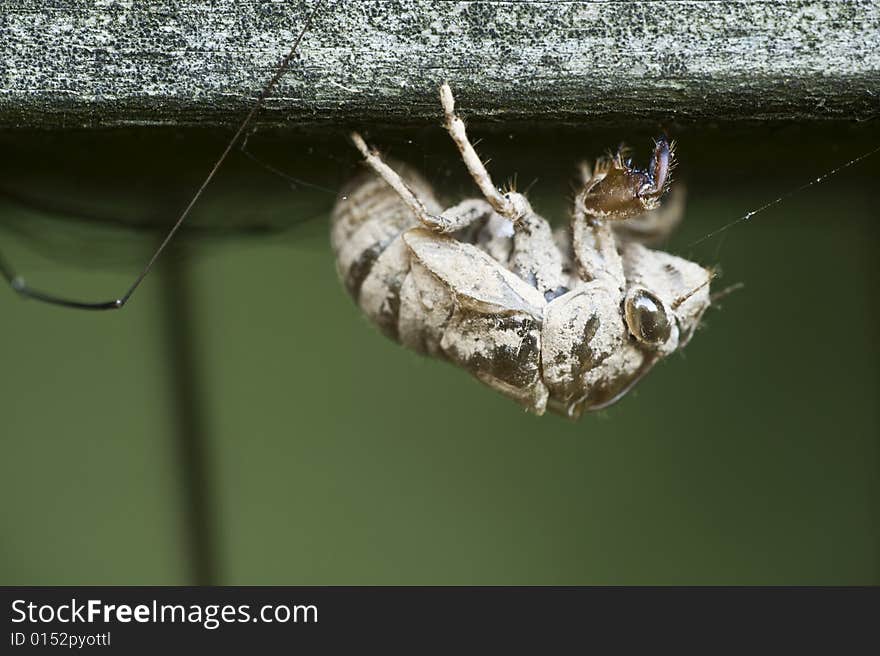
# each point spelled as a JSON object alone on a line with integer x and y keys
{"x": 567, "y": 321}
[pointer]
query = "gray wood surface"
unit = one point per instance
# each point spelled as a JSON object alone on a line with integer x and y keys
{"x": 107, "y": 63}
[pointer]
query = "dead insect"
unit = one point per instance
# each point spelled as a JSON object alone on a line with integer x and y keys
{"x": 567, "y": 321}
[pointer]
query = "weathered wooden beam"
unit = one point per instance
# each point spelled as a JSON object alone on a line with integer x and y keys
{"x": 109, "y": 63}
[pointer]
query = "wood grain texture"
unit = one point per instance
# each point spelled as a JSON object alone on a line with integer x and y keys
{"x": 111, "y": 63}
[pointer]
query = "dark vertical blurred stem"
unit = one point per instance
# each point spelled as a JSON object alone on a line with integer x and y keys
{"x": 199, "y": 513}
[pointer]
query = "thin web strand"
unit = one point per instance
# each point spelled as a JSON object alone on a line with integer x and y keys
{"x": 822, "y": 178}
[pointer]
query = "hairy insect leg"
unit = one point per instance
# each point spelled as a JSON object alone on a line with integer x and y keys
{"x": 451, "y": 220}
{"x": 466, "y": 213}
{"x": 535, "y": 257}
{"x": 614, "y": 191}
{"x": 510, "y": 205}
{"x": 593, "y": 242}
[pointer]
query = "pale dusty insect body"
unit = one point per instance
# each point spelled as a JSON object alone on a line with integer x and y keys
{"x": 568, "y": 321}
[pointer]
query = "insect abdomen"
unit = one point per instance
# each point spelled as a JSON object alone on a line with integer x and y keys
{"x": 371, "y": 257}
{"x": 403, "y": 280}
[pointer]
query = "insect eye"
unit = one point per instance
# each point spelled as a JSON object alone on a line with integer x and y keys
{"x": 646, "y": 317}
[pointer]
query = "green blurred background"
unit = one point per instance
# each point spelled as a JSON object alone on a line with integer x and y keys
{"x": 326, "y": 454}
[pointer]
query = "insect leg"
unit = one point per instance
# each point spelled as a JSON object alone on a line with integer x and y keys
{"x": 454, "y": 219}
{"x": 18, "y": 283}
{"x": 594, "y": 245}
{"x": 466, "y": 213}
{"x": 535, "y": 257}
{"x": 510, "y": 205}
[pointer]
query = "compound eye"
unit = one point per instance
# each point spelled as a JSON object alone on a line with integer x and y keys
{"x": 646, "y": 317}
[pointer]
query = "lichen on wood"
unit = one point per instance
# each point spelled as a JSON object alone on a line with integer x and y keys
{"x": 182, "y": 62}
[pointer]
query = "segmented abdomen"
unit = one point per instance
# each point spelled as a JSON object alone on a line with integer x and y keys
{"x": 371, "y": 258}
{"x": 436, "y": 295}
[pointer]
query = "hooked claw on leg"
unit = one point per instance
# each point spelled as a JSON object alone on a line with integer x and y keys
{"x": 617, "y": 190}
